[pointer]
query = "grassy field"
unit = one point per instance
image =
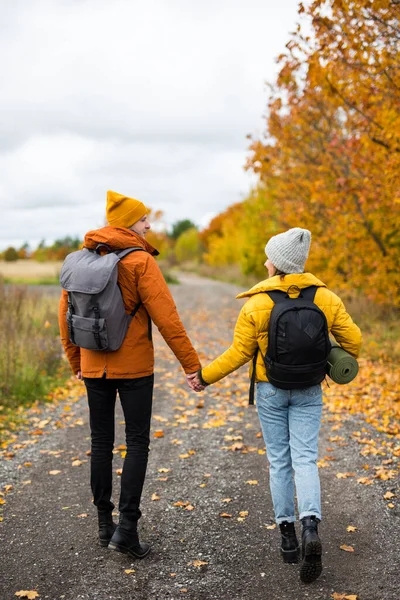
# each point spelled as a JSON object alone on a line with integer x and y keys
{"x": 30, "y": 272}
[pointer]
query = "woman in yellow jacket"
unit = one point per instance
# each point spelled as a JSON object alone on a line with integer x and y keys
{"x": 290, "y": 418}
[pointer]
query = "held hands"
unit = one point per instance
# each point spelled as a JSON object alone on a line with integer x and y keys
{"x": 194, "y": 382}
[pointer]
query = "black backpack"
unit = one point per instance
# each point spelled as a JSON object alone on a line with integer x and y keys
{"x": 298, "y": 341}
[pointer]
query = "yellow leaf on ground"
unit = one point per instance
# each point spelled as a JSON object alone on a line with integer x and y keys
{"x": 252, "y": 482}
{"x": 129, "y": 571}
{"x": 225, "y": 515}
{"x": 184, "y": 455}
{"x": 347, "y": 548}
{"x": 391, "y": 505}
{"x": 30, "y": 594}
{"x": 244, "y": 513}
{"x": 226, "y": 500}
{"x": 158, "y": 434}
{"x": 351, "y": 528}
{"x": 345, "y": 475}
{"x": 189, "y": 507}
{"x": 82, "y": 516}
{"x": 198, "y": 563}
{"x": 163, "y": 470}
{"x": 118, "y": 471}
{"x": 155, "y": 496}
{"x": 389, "y": 495}
{"x": 270, "y": 526}
{"x": 123, "y": 453}
{"x": 365, "y": 481}
{"x": 27, "y": 464}
{"x": 77, "y": 463}
{"x": 2, "y": 501}
{"x": 55, "y": 472}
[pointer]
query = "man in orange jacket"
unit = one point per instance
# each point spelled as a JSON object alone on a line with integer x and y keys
{"x": 128, "y": 370}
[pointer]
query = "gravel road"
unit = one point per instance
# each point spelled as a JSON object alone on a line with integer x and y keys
{"x": 207, "y": 459}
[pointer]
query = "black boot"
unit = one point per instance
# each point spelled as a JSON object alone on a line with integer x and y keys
{"x": 106, "y": 527}
{"x": 311, "y": 567}
{"x": 290, "y": 549}
{"x": 126, "y": 539}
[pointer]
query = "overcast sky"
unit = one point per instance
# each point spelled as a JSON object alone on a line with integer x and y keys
{"x": 150, "y": 98}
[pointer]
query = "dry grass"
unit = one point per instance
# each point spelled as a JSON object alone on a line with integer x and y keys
{"x": 30, "y": 350}
{"x": 30, "y": 271}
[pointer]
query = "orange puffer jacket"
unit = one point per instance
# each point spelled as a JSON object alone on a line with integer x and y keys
{"x": 140, "y": 279}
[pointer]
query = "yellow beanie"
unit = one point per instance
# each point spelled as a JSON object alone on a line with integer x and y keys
{"x": 122, "y": 211}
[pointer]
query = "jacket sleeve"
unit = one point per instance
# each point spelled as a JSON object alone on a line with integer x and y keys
{"x": 73, "y": 352}
{"x": 157, "y": 299}
{"x": 242, "y": 350}
{"x": 345, "y": 331}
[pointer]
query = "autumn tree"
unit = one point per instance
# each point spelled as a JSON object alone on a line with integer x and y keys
{"x": 330, "y": 157}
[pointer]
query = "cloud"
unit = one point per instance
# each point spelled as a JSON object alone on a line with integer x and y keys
{"x": 153, "y": 99}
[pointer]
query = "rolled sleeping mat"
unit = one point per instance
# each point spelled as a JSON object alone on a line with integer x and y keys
{"x": 342, "y": 367}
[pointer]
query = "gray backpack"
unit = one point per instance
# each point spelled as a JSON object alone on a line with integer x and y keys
{"x": 96, "y": 314}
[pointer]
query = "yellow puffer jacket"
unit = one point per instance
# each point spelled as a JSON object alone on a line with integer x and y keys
{"x": 251, "y": 329}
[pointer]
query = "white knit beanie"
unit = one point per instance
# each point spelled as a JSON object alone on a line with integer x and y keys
{"x": 288, "y": 251}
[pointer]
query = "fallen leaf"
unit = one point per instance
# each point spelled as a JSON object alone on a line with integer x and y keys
{"x": 389, "y": 495}
{"x": 27, "y": 464}
{"x": 77, "y": 463}
{"x": 186, "y": 455}
{"x": 390, "y": 505}
{"x": 252, "y": 482}
{"x": 31, "y": 595}
{"x": 82, "y": 516}
{"x": 118, "y": 472}
{"x": 365, "y": 481}
{"x": 183, "y": 590}
{"x": 345, "y": 475}
{"x": 270, "y": 526}
{"x": 172, "y": 574}
{"x": 158, "y": 434}
{"x": 2, "y": 501}
{"x": 244, "y": 513}
{"x": 189, "y": 507}
{"x": 129, "y": 571}
{"x": 163, "y": 470}
{"x": 225, "y": 515}
{"x": 351, "y": 528}
{"x": 155, "y": 497}
{"x": 198, "y": 563}
{"x": 226, "y": 500}
{"x": 347, "y": 548}
{"x": 54, "y": 472}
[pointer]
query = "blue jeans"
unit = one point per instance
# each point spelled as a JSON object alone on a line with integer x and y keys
{"x": 290, "y": 422}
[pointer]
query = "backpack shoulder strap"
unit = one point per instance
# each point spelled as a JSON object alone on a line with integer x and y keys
{"x": 277, "y": 296}
{"x": 308, "y": 293}
{"x": 122, "y": 253}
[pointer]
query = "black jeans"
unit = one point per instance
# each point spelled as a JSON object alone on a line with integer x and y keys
{"x": 136, "y": 400}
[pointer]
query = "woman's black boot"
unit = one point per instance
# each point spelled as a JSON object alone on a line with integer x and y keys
{"x": 106, "y": 527}
{"x": 126, "y": 539}
{"x": 290, "y": 549}
{"x": 311, "y": 566}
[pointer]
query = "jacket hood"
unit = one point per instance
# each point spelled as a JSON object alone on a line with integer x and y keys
{"x": 117, "y": 238}
{"x": 302, "y": 280}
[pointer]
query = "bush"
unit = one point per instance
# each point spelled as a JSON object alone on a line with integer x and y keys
{"x": 10, "y": 254}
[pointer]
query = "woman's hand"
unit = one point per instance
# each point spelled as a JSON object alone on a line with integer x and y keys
{"x": 194, "y": 382}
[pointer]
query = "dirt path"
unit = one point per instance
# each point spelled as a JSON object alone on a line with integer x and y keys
{"x": 205, "y": 452}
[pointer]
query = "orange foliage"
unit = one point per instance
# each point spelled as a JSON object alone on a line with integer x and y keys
{"x": 330, "y": 158}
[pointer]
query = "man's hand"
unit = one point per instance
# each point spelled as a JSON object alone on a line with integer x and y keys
{"x": 79, "y": 375}
{"x": 194, "y": 382}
